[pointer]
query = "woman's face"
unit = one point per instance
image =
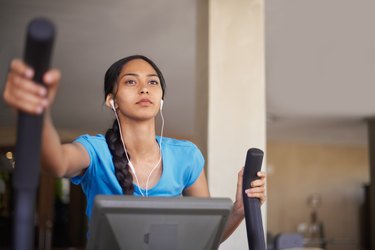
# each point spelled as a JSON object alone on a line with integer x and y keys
{"x": 139, "y": 91}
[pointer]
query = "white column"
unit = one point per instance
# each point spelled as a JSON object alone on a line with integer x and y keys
{"x": 236, "y": 107}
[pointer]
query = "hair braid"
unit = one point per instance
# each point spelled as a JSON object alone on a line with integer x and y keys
{"x": 120, "y": 161}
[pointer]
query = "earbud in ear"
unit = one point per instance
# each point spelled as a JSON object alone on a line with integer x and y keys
{"x": 112, "y": 104}
{"x": 161, "y": 104}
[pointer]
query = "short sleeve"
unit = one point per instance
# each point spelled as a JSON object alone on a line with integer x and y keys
{"x": 196, "y": 166}
{"x": 84, "y": 140}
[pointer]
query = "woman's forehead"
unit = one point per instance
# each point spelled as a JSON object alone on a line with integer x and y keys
{"x": 138, "y": 66}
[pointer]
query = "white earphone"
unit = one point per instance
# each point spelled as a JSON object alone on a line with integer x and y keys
{"x": 112, "y": 103}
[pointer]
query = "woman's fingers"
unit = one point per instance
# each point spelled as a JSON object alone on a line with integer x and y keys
{"x": 258, "y": 192}
{"x": 52, "y": 77}
{"x": 259, "y": 182}
{"x": 25, "y": 85}
{"x": 257, "y": 188}
{"x": 21, "y": 92}
{"x": 26, "y": 98}
{"x": 262, "y": 174}
{"x": 19, "y": 67}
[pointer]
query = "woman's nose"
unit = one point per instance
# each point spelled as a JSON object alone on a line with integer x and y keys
{"x": 144, "y": 89}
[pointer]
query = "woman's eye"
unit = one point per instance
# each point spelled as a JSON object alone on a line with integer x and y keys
{"x": 130, "y": 82}
{"x": 153, "y": 82}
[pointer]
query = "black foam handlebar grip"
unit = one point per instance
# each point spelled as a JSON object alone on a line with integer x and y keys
{"x": 39, "y": 41}
{"x": 253, "y": 215}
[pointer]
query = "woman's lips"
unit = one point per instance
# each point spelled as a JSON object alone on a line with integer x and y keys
{"x": 144, "y": 102}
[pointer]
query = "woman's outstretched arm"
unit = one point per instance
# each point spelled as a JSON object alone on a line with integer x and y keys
{"x": 21, "y": 93}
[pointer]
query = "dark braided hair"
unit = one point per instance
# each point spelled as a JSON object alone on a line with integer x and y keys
{"x": 112, "y": 135}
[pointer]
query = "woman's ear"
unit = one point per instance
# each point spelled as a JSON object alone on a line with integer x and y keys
{"x": 109, "y": 102}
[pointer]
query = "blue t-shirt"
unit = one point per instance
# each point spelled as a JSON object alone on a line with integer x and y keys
{"x": 182, "y": 164}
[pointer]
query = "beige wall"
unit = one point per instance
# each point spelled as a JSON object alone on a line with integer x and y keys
{"x": 336, "y": 172}
{"x": 236, "y": 94}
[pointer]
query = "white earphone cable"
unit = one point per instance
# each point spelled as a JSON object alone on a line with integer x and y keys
{"x": 127, "y": 156}
{"x": 161, "y": 139}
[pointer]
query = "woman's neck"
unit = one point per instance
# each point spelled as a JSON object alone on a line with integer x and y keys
{"x": 139, "y": 139}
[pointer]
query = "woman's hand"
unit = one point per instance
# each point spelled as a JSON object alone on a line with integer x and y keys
{"x": 256, "y": 190}
{"x": 22, "y": 93}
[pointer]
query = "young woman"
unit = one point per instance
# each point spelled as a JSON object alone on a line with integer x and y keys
{"x": 130, "y": 159}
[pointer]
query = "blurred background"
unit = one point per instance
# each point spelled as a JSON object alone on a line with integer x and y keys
{"x": 294, "y": 78}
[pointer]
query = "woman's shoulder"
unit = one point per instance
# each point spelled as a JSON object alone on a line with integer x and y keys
{"x": 172, "y": 142}
{"x": 97, "y": 137}
{"x": 95, "y": 145}
{"x": 184, "y": 154}
{"x": 179, "y": 147}
{"x": 93, "y": 140}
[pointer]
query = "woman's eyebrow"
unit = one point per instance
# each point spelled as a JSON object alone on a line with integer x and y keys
{"x": 153, "y": 75}
{"x": 135, "y": 74}
{"x": 129, "y": 74}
